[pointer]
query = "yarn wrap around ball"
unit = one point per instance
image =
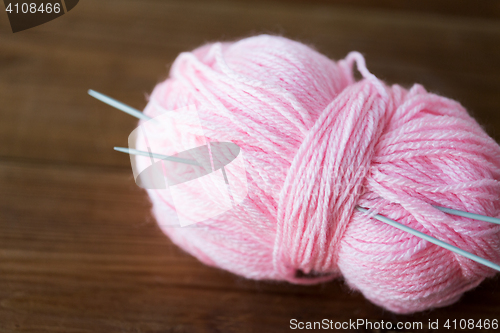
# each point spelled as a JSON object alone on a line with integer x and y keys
{"x": 316, "y": 144}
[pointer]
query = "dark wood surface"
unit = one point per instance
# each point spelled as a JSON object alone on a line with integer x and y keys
{"x": 79, "y": 249}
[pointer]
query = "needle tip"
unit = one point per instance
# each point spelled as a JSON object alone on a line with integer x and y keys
{"x": 120, "y": 149}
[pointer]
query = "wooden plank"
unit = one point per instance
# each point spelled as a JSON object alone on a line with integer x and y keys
{"x": 79, "y": 253}
{"x": 122, "y": 48}
{"x": 484, "y": 9}
{"x": 79, "y": 249}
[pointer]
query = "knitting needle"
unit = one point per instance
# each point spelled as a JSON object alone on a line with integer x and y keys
{"x": 154, "y": 155}
{"x": 135, "y": 113}
{"x": 469, "y": 215}
{"x": 119, "y": 105}
{"x": 432, "y": 240}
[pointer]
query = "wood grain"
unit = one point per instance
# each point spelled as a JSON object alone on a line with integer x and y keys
{"x": 489, "y": 9}
{"x": 79, "y": 249}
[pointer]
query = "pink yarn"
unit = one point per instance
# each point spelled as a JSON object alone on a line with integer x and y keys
{"x": 316, "y": 143}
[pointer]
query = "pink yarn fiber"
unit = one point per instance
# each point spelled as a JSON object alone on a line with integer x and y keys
{"x": 316, "y": 143}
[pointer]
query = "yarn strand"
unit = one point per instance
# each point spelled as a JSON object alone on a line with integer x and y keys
{"x": 431, "y": 239}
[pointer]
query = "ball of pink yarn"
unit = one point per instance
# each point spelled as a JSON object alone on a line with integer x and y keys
{"x": 316, "y": 144}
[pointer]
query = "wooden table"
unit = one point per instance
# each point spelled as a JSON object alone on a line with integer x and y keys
{"x": 79, "y": 249}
